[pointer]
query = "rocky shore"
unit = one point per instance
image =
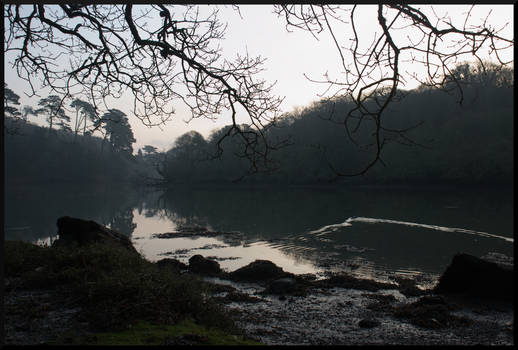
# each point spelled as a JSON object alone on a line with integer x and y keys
{"x": 472, "y": 303}
{"x": 279, "y": 308}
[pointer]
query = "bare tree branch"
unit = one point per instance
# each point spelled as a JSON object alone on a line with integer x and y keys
{"x": 371, "y": 71}
{"x": 159, "y": 53}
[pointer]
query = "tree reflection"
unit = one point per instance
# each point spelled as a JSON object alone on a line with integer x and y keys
{"x": 123, "y": 222}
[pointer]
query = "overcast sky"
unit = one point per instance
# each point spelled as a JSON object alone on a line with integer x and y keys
{"x": 289, "y": 56}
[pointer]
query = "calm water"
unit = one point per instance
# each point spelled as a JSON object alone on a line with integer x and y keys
{"x": 302, "y": 230}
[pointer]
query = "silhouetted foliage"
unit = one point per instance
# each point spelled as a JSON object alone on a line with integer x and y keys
{"x": 442, "y": 142}
{"x": 51, "y": 108}
{"x": 118, "y": 131}
{"x": 180, "y": 162}
{"x": 35, "y": 156}
{"x": 11, "y": 101}
{"x": 84, "y": 112}
{"x": 159, "y": 53}
{"x": 162, "y": 53}
{"x": 371, "y": 73}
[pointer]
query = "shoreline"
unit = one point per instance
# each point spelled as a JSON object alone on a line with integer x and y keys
{"x": 340, "y": 309}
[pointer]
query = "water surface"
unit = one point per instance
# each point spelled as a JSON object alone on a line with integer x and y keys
{"x": 303, "y": 230}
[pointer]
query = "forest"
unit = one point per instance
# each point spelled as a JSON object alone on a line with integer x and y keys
{"x": 432, "y": 137}
{"x": 445, "y": 142}
{"x": 69, "y": 150}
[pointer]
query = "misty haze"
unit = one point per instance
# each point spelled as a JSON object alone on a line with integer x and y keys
{"x": 355, "y": 204}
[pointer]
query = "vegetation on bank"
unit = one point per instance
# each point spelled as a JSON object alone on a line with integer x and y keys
{"x": 185, "y": 332}
{"x": 443, "y": 143}
{"x": 38, "y": 155}
{"x": 123, "y": 297}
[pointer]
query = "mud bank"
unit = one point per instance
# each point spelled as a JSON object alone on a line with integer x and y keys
{"x": 68, "y": 293}
{"x": 346, "y": 316}
{"x": 341, "y": 309}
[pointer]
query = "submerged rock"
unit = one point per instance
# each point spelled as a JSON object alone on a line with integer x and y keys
{"x": 345, "y": 280}
{"x": 83, "y": 232}
{"x": 258, "y": 270}
{"x": 472, "y": 276}
{"x": 199, "y": 264}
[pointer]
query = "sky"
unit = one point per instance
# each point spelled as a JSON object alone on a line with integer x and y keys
{"x": 289, "y": 55}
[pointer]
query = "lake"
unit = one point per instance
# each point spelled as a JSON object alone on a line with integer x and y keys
{"x": 372, "y": 232}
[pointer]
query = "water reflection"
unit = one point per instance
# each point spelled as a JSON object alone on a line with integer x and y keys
{"x": 31, "y": 212}
{"x": 287, "y": 226}
{"x": 287, "y": 219}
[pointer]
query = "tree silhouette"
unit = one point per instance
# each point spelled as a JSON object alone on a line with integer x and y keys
{"x": 181, "y": 161}
{"x": 28, "y": 110}
{"x": 84, "y": 112}
{"x": 158, "y": 53}
{"x": 460, "y": 145}
{"x": 162, "y": 53}
{"x": 118, "y": 131}
{"x": 372, "y": 72}
{"x": 51, "y": 107}
{"x": 11, "y": 99}
{"x": 148, "y": 149}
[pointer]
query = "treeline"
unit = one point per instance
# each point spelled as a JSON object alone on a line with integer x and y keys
{"x": 82, "y": 148}
{"x": 34, "y": 155}
{"x": 444, "y": 142}
{"x": 448, "y": 138}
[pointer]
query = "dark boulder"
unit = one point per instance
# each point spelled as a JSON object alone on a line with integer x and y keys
{"x": 408, "y": 287}
{"x": 258, "y": 270}
{"x": 472, "y": 276}
{"x": 83, "y": 232}
{"x": 430, "y": 311}
{"x": 172, "y": 263}
{"x": 282, "y": 286}
{"x": 201, "y": 265}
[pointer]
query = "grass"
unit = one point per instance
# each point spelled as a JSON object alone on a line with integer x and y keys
{"x": 120, "y": 293}
{"x": 185, "y": 332}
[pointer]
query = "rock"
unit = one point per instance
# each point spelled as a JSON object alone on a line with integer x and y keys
{"x": 431, "y": 311}
{"x": 258, "y": 270}
{"x": 383, "y": 303}
{"x": 435, "y": 300}
{"x": 471, "y": 276}
{"x": 238, "y": 297}
{"x": 83, "y": 232}
{"x": 172, "y": 263}
{"x": 408, "y": 287}
{"x": 199, "y": 264}
{"x": 344, "y": 280}
{"x": 369, "y": 323}
{"x": 412, "y": 291}
{"x": 379, "y": 306}
{"x": 282, "y": 286}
